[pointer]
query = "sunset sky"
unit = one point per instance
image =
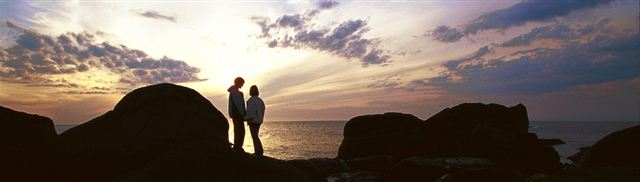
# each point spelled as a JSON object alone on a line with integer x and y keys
{"x": 327, "y": 60}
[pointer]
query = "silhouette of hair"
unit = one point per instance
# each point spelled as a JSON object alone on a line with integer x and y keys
{"x": 238, "y": 81}
{"x": 253, "y": 91}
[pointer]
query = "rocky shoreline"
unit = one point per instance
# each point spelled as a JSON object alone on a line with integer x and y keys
{"x": 166, "y": 132}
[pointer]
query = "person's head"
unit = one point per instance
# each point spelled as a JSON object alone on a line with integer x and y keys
{"x": 253, "y": 91}
{"x": 238, "y": 82}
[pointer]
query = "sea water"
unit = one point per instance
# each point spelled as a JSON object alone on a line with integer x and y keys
{"x": 310, "y": 139}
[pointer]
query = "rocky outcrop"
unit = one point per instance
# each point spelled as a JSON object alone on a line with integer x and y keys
{"x": 26, "y": 143}
{"x": 620, "y": 148}
{"x": 162, "y": 132}
{"x": 381, "y": 134}
{"x": 490, "y": 131}
{"x": 614, "y": 159}
{"x": 474, "y": 129}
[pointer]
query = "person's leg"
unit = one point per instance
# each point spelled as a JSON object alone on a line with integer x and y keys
{"x": 238, "y": 134}
{"x": 257, "y": 144}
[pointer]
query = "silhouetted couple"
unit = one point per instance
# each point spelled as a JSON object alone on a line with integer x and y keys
{"x": 253, "y": 114}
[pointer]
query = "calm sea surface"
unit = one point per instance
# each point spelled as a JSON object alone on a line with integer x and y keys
{"x": 309, "y": 139}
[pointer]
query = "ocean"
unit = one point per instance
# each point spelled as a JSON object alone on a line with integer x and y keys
{"x": 311, "y": 139}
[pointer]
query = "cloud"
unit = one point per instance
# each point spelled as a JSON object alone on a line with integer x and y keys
{"x": 583, "y": 58}
{"x": 559, "y": 32}
{"x": 516, "y": 15}
{"x": 344, "y": 40}
{"x": 446, "y": 34}
{"x": 387, "y": 82}
{"x": 327, "y": 4}
{"x": 36, "y": 59}
{"x": 156, "y": 15}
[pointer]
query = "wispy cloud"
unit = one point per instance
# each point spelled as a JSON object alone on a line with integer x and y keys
{"x": 156, "y": 15}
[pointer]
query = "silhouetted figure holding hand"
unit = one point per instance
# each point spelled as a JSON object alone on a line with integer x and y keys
{"x": 255, "y": 116}
{"x": 237, "y": 113}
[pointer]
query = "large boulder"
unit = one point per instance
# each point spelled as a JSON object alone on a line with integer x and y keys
{"x": 620, "y": 148}
{"x": 491, "y": 131}
{"x": 26, "y": 143}
{"x": 162, "y": 132}
{"x": 474, "y": 129}
{"x": 392, "y": 134}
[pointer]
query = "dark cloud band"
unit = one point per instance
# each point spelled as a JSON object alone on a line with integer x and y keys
{"x": 605, "y": 56}
{"x": 516, "y": 15}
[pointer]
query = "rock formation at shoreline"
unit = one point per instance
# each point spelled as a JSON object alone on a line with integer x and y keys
{"x": 167, "y": 132}
{"x": 489, "y": 131}
{"x": 26, "y": 143}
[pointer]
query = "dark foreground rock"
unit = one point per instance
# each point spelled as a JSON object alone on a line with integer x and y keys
{"x": 162, "y": 132}
{"x": 382, "y": 134}
{"x": 26, "y": 143}
{"x": 431, "y": 169}
{"x": 596, "y": 174}
{"x": 621, "y": 148}
{"x": 319, "y": 169}
{"x": 613, "y": 159}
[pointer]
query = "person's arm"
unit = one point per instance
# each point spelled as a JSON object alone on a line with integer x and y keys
{"x": 261, "y": 109}
{"x": 250, "y": 110}
{"x": 238, "y": 101}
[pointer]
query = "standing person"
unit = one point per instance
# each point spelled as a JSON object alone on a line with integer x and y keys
{"x": 255, "y": 116}
{"x": 237, "y": 113}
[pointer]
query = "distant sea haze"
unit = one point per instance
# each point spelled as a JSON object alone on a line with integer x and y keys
{"x": 310, "y": 139}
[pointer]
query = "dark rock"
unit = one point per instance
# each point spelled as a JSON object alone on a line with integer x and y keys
{"x": 318, "y": 169}
{"x": 537, "y": 177}
{"x": 358, "y": 176}
{"x": 483, "y": 175}
{"x": 474, "y": 129}
{"x": 430, "y": 169}
{"x": 596, "y": 174}
{"x": 575, "y": 158}
{"x": 376, "y": 163}
{"x": 551, "y": 141}
{"x": 620, "y": 148}
{"x": 489, "y": 131}
{"x": 26, "y": 141}
{"x": 202, "y": 162}
{"x": 529, "y": 156}
{"x": 162, "y": 132}
{"x": 381, "y": 134}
